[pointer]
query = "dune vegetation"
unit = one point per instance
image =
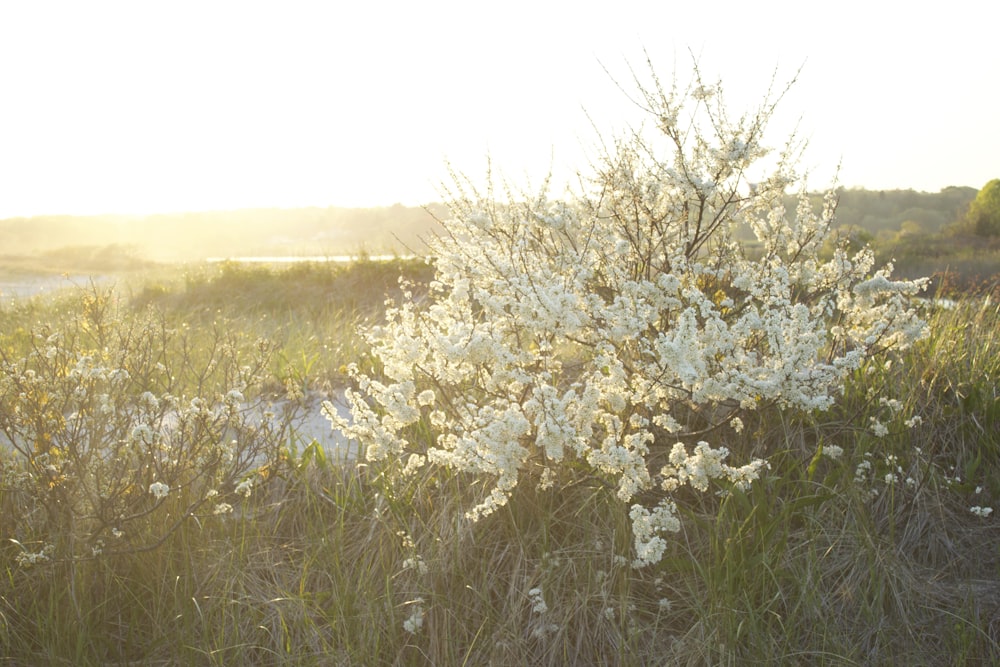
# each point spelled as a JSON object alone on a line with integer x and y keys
{"x": 853, "y": 548}
{"x": 784, "y": 455}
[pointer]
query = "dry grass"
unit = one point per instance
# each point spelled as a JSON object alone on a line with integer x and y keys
{"x": 327, "y": 563}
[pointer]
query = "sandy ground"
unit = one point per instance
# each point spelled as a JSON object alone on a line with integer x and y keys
{"x": 313, "y": 425}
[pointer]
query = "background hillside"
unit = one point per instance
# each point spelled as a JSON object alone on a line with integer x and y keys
{"x": 921, "y": 232}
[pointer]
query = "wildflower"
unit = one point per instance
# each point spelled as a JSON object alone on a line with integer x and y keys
{"x": 415, "y": 563}
{"x": 547, "y": 479}
{"x": 142, "y": 434}
{"x": 149, "y": 401}
{"x": 413, "y": 463}
{"x": 159, "y": 490}
{"x": 222, "y": 508}
{"x": 538, "y": 605}
{"x": 981, "y": 511}
{"x": 28, "y": 558}
{"x": 118, "y": 376}
{"x": 893, "y": 404}
{"x": 703, "y": 93}
{"x": 244, "y": 488}
{"x": 862, "y": 470}
{"x": 416, "y": 619}
{"x": 833, "y": 451}
{"x": 914, "y": 421}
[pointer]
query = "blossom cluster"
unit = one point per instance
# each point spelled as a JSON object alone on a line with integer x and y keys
{"x": 615, "y": 328}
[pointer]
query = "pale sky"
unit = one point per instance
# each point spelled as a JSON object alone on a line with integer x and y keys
{"x": 142, "y": 107}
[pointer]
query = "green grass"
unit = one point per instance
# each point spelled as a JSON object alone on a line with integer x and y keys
{"x": 324, "y": 563}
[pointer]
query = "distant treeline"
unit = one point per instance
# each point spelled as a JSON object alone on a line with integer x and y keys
{"x": 881, "y": 211}
{"x": 392, "y": 229}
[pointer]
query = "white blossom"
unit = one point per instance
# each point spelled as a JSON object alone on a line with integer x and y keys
{"x": 833, "y": 451}
{"x": 159, "y": 490}
{"x": 589, "y": 331}
{"x": 415, "y": 621}
{"x": 538, "y": 605}
{"x": 222, "y": 508}
{"x": 244, "y": 488}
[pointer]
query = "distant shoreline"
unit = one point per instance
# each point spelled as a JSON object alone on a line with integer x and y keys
{"x": 294, "y": 259}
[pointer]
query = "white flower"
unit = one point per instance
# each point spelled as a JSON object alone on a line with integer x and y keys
{"x": 538, "y": 605}
{"x": 159, "y": 490}
{"x": 893, "y": 404}
{"x": 142, "y": 434}
{"x": 149, "y": 401}
{"x": 703, "y": 92}
{"x": 416, "y": 563}
{"x": 28, "y": 558}
{"x": 244, "y": 488}
{"x": 833, "y": 451}
{"x": 222, "y": 508}
{"x": 415, "y": 622}
{"x": 981, "y": 511}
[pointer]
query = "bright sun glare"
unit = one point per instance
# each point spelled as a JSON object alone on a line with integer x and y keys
{"x": 133, "y": 107}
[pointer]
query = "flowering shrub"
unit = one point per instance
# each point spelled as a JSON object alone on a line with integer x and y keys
{"x": 101, "y": 451}
{"x": 626, "y": 329}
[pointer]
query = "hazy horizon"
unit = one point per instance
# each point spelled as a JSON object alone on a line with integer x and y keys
{"x": 137, "y": 109}
{"x": 334, "y": 206}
